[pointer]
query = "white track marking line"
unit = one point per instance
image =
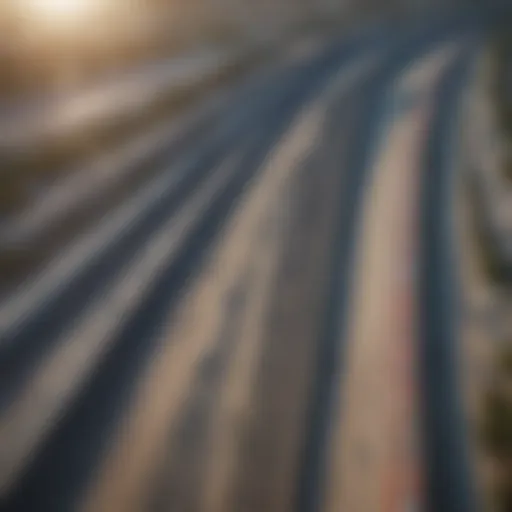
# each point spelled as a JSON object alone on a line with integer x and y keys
{"x": 58, "y": 378}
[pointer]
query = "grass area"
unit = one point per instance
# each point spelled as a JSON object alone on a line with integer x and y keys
{"x": 497, "y": 84}
{"x": 494, "y": 422}
{"x": 501, "y": 80}
{"x": 494, "y": 264}
{"x": 496, "y": 429}
{"x": 501, "y": 90}
{"x": 496, "y": 411}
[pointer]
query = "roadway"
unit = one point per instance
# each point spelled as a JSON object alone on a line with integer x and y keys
{"x": 267, "y": 321}
{"x": 35, "y": 120}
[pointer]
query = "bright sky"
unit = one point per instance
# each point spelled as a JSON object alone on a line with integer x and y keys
{"x": 58, "y": 12}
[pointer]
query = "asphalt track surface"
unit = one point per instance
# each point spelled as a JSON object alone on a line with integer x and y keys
{"x": 187, "y": 350}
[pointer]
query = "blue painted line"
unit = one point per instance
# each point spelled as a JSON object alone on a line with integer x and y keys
{"x": 449, "y": 483}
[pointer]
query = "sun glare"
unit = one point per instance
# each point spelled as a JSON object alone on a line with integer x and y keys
{"x": 58, "y": 11}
